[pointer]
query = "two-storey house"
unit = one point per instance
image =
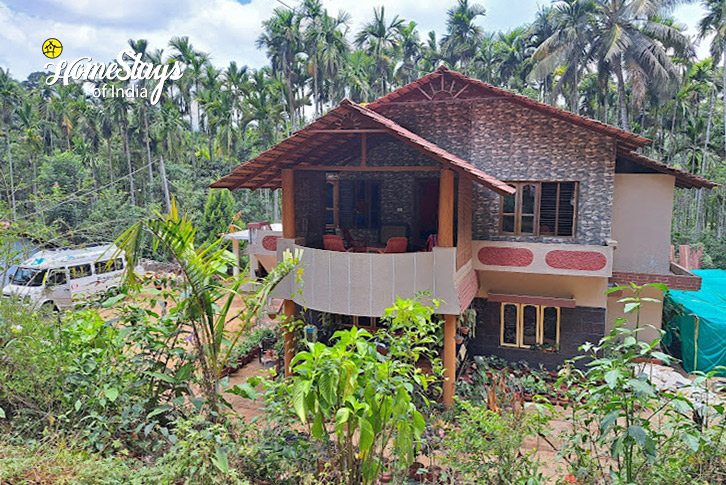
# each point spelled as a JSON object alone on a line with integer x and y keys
{"x": 520, "y": 210}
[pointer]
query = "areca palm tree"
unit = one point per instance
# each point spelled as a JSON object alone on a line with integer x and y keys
{"x": 283, "y": 41}
{"x": 463, "y": 36}
{"x": 714, "y": 23}
{"x": 381, "y": 39}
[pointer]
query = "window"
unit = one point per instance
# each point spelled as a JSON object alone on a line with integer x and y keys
{"x": 525, "y": 325}
{"x": 28, "y": 277}
{"x": 539, "y": 209}
{"x": 118, "y": 264}
{"x": 80, "y": 271}
{"x": 57, "y": 277}
{"x": 331, "y": 204}
{"x": 360, "y": 204}
{"x": 101, "y": 267}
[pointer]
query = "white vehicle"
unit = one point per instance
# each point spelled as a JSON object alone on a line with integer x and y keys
{"x": 57, "y": 279}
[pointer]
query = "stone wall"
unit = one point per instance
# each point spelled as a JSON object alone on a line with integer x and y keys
{"x": 577, "y": 326}
{"x": 310, "y": 207}
{"x": 514, "y": 143}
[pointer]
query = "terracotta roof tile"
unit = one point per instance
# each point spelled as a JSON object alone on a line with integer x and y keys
{"x": 684, "y": 179}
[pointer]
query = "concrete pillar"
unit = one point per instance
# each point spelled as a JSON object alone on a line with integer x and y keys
{"x": 288, "y": 232}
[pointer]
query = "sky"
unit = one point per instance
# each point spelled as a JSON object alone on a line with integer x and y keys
{"x": 226, "y": 29}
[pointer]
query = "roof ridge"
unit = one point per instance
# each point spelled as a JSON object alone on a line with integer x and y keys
{"x": 632, "y": 140}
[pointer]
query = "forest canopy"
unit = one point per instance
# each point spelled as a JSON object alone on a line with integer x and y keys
{"x": 79, "y": 167}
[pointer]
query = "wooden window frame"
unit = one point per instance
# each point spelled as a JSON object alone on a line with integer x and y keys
{"x": 539, "y": 332}
{"x": 335, "y": 182}
{"x": 518, "y": 209}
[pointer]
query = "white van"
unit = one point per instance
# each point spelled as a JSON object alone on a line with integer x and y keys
{"x": 56, "y": 279}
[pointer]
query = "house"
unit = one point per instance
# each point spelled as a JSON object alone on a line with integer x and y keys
{"x": 520, "y": 210}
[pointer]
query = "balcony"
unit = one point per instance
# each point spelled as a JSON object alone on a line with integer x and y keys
{"x": 365, "y": 284}
{"x": 556, "y": 259}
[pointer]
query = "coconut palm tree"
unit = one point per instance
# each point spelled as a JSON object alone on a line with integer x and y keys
{"x": 572, "y": 22}
{"x": 630, "y": 37}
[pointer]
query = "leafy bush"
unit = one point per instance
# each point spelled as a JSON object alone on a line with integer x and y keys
{"x": 113, "y": 381}
{"x": 482, "y": 446}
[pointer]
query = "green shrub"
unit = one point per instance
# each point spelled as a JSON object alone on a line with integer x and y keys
{"x": 481, "y": 446}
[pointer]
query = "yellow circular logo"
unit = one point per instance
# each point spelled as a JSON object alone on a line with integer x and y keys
{"x": 52, "y": 48}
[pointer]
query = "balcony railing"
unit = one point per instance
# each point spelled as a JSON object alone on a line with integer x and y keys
{"x": 365, "y": 284}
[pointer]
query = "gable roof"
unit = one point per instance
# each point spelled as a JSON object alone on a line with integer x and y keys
{"x": 444, "y": 79}
{"x": 474, "y": 88}
{"x": 310, "y": 146}
{"x": 684, "y": 180}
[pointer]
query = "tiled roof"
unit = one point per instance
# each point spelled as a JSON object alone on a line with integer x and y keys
{"x": 308, "y": 146}
{"x": 684, "y": 179}
{"x": 628, "y": 139}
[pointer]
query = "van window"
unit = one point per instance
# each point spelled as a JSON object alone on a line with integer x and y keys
{"x": 57, "y": 277}
{"x": 104, "y": 266}
{"x": 80, "y": 271}
{"x": 118, "y": 264}
{"x": 29, "y": 277}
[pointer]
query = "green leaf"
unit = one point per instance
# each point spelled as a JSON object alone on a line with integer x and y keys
{"x": 341, "y": 417}
{"x": 366, "y": 435}
{"x": 641, "y": 387}
{"x": 111, "y": 393}
{"x": 245, "y": 390}
{"x": 631, "y": 307}
{"x": 692, "y": 441}
{"x": 419, "y": 424}
{"x": 318, "y": 428}
{"x": 78, "y": 404}
{"x": 298, "y": 400}
{"x": 638, "y": 434}
{"x": 163, "y": 377}
{"x": 328, "y": 384}
{"x": 183, "y": 373}
{"x": 158, "y": 410}
{"x": 2, "y": 413}
{"x": 611, "y": 377}
{"x": 220, "y": 460}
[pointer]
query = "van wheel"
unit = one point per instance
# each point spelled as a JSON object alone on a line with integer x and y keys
{"x": 49, "y": 307}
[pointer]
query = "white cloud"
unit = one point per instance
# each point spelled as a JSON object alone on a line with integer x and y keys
{"x": 226, "y": 29}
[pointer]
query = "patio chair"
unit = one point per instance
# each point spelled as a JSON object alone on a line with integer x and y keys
{"x": 354, "y": 244}
{"x": 395, "y": 245}
{"x": 332, "y": 242}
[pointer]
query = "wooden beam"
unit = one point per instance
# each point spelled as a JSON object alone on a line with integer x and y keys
{"x": 449, "y": 360}
{"x": 446, "y": 209}
{"x": 363, "y": 150}
{"x": 368, "y": 168}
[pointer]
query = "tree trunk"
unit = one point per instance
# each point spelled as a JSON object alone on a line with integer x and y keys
{"x": 125, "y": 135}
{"x": 165, "y": 184}
{"x": 110, "y": 161}
{"x": 12, "y": 177}
{"x": 148, "y": 144}
{"x": 623, "y": 118}
{"x": 700, "y": 225}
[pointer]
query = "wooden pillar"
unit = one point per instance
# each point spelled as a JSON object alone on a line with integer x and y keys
{"x": 235, "y": 251}
{"x": 446, "y": 240}
{"x": 288, "y": 232}
{"x": 446, "y": 209}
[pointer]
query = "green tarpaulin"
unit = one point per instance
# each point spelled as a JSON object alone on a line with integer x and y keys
{"x": 700, "y": 322}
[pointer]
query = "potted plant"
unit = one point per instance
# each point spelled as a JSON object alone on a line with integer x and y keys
{"x": 467, "y": 322}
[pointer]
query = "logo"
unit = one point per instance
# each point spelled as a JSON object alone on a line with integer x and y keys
{"x": 52, "y": 48}
{"x": 128, "y": 69}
